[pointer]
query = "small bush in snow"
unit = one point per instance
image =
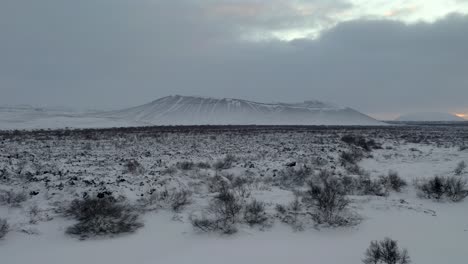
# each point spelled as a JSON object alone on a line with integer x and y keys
{"x": 254, "y": 213}
{"x": 452, "y": 188}
{"x": 291, "y": 176}
{"x": 203, "y": 165}
{"x": 225, "y": 163}
{"x": 291, "y": 214}
{"x": 351, "y": 157}
{"x": 12, "y": 198}
{"x": 368, "y": 186}
{"x": 461, "y": 166}
{"x": 360, "y": 141}
{"x": 328, "y": 197}
{"x": 363, "y": 185}
{"x": 4, "y": 228}
{"x": 393, "y": 181}
{"x": 133, "y": 167}
{"x": 101, "y": 216}
{"x": 204, "y": 224}
{"x": 173, "y": 198}
{"x": 386, "y": 252}
{"x": 179, "y": 199}
{"x": 185, "y": 165}
{"x": 224, "y": 210}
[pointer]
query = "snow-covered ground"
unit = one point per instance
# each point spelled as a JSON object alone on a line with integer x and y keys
{"x": 61, "y": 165}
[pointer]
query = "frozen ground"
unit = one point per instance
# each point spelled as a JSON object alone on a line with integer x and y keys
{"x": 54, "y": 167}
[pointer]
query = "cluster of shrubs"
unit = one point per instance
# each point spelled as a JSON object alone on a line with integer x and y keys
{"x": 225, "y": 163}
{"x": 386, "y": 252}
{"x": 359, "y": 141}
{"x": 101, "y": 216}
{"x": 291, "y": 214}
{"x": 12, "y": 198}
{"x": 452, "y": 188}
{"x": 364, "y": 185}
{"x": 133, "y": 167}
{"x": 240, "y": 185}
{"x": 349, "y": 160}
{"x": 173, "y": 198}
{"x": 4, "y": 228}
{"x": 227, "y": 210}
{"x": 460, "y": 169}
{"x": 292, "y": 176}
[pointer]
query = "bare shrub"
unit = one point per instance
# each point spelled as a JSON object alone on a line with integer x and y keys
{"x": 224, "y": 210}
{"x": 179, "y": 199}
{"x": 291, "y": 176}
{"x": 328, "y": 197}
{"x": 368, "y": 186}
{"x": 363, "y": 185}
{"x": 349, "y": 160}
{"x": 291, "y": 214}
{"x": 452, "y": 188}
{"x": 455, "y": 189}
{"x": 254, "y": 213}
{"x": 351, "y": 157}
{"x": 226, "y": 206}
{"x": 133, "y": 167}
{"x": 203, "y": 165}
{"x": 359, "y": 141}
{"x": 4, "y": 228}
{"x": 461, "y": 166}
{"x": 12, "y": 198}
{"x": 204, "y": 224}
{"x": 386, "y": 252}
{"x": 218, "y": 182}
{"x": 225, "y": 163}
{"x": 393, "y": 181}
{"x": 101, "y": 216}
{"x": 185, "y": 165}
{"x": 169, "y": 171}
{"x": 173, "y": 198}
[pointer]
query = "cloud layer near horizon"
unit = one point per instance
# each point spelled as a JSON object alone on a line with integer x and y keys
{"x": 117, "y": 53}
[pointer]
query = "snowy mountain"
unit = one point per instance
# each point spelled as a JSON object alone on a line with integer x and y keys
{"x": 430, "y": 117}
{"x": 189, "y": 110}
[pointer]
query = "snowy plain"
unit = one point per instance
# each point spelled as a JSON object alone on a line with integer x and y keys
{"x": 432, "y": 231}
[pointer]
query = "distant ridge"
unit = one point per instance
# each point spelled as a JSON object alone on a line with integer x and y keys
{"x": 192, "y": 110}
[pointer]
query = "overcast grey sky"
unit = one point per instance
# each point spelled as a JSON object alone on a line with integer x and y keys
{"x": 380, "y": 57}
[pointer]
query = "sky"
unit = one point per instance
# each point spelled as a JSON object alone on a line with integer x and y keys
{"x": 381, "y": 57}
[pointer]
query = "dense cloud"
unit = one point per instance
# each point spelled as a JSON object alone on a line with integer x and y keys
{"x": 113, "y": 53}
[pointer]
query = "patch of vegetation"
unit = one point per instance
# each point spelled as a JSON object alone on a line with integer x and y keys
{"x": 4, "y": 228}
{"x": 326, "y": 194}
{"x": 359, "y": 141}
{"x": 393, "y": 181}
{"x": 254, "y": 213}
{"x": 460, "y": 169}
{"x": 101, "y": 216}
{"x": 386, "y": 252}
{"x": 12, "y": 198}
{"x": 451, "y": 188}
{"x": 225, "y": 163}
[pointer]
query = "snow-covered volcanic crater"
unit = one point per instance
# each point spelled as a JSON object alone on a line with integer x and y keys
{"x": 188, "y": 110}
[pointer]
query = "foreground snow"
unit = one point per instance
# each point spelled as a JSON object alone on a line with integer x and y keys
{"x": 433, "y": 232}
{"x": 430, "y": 239}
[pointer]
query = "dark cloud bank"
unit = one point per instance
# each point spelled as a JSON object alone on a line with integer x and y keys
{"x": 117, "y": 53}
